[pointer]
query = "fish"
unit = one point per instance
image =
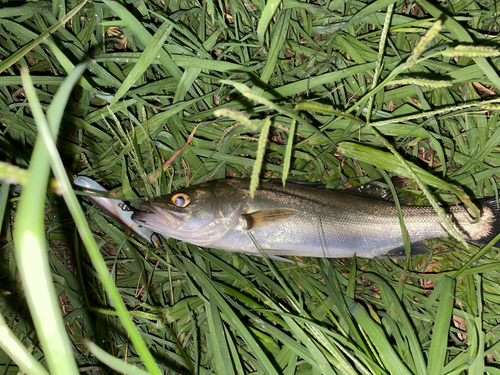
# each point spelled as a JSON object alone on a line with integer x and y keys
{"x": 302, "y": 220}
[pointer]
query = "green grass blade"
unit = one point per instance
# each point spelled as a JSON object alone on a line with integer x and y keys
{"x": 219, "y": 341}
{"x": 261, "y": 149}
{"x": 463, "y": 36}
{"x": 478, "y": 365}
{"x": 314, "y": 348}
{"x": 476, "y": 256}
{"x": 387, "y": 354}
{"x": 187, "y": 80}
{"x": 147, "y": 57}
{"x": 394, "y": 304}
{"x": 266, "y": 16}
{"x": 439, "y": 343}
{"x": 278, "y": 38}
{"x": 31, "y": 254}
{"x": 233, "y": 318}
{"x": 252, "y": 95}
{"x": 12, "y": 59}
{"x": 14, "y": 348}
{"x": 368, "y": 10}
{"x": 288, "y": 152}
{"x": 404, "y": 232}
{"x": 74, "y": 207}
{"x": 219, "y": 66}
{"x": 144, "y": 36}
{"x": 4, "y": 195}
{"x": 113, "y": 362}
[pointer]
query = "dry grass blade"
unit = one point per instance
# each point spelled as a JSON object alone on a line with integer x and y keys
{"x": 174, "y": 155}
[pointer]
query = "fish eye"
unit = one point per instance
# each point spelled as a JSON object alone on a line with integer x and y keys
{"x": 181, "y": 199}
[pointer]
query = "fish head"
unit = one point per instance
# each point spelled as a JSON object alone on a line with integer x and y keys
{"x": 198, "y": 214}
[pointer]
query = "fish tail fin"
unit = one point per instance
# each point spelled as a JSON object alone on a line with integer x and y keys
{"x": 490, "y": 221}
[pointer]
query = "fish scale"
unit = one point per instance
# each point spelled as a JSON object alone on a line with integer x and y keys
{"x": 333, "y": 223}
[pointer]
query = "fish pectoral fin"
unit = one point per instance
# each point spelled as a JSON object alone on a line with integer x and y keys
{"x": 263, "y": 218}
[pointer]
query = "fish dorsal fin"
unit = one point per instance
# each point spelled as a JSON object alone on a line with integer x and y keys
{"x": 379, "y": 190}
{"x": 373, "y": 190}
{"x": 306, "y": 183}
{"x": 263, "y": 218}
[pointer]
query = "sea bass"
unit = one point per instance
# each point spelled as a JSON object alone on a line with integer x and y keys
{"x": 301, "y": 220}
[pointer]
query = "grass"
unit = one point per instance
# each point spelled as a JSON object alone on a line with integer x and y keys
{"x": 147, "y": 97}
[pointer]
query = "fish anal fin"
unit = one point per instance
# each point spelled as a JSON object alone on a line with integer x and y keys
{"x": 417, "y": 248}
{"x": 263, "y": 218}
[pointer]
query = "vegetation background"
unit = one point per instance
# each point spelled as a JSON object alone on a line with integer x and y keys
{"x": 149, "y": 96}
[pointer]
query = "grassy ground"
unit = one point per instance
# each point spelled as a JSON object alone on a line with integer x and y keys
{"x": 342, "y": 90}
